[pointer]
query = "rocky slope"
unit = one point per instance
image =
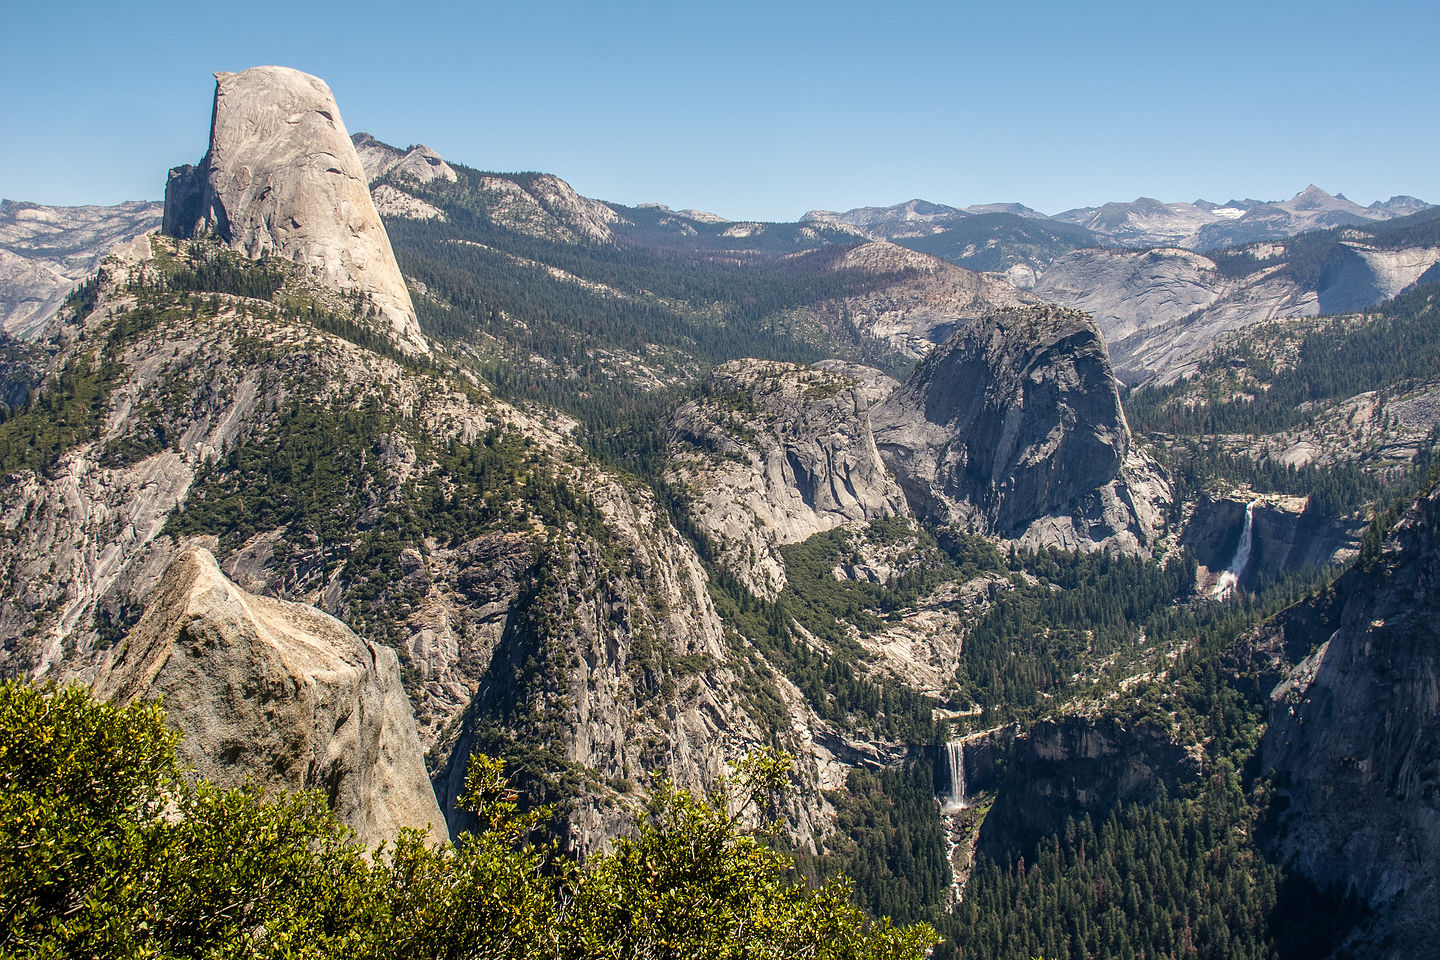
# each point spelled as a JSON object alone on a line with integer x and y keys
{"x": 1146, "y": 222}
{"x": 407, "y": 169}
{"x": 1352, "y": 739}
{"x": 419, "y": 163}
{"x": 282, "y": 178}
{"x": 46, "y": 251}
{"x": 776, "y": 452}
{"x": 277, "y": 694}
{"x": 1014, "y": 427}
{"x": 539, "y": 607}
{"x": 1159, "y": 308}
{"x": 920, "y": 300}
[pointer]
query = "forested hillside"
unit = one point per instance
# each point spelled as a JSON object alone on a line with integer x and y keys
{"x": 1338, "y": 409}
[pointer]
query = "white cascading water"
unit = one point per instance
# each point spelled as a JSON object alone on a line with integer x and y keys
{"x": 955, "y": 799}
{"x": 1230, "y": 579}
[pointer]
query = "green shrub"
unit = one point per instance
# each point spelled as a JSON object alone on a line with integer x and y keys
{"x": 107, "y": 850}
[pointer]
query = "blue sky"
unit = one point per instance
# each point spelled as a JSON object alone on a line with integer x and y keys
{"x": 763, "y": 110}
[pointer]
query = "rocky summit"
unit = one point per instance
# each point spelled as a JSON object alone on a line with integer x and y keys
{"x": 1014, "y": 427}
{"x": 282, "y": 178}
{"x": 777, "y": 452}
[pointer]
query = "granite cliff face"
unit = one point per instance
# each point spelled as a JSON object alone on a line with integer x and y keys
{"x": 1285, "y": 537}
{"x": 777, "y": 452}
{"x": 282, "y": 178}
{"x": 278, "y": 694}
{"x": 1014, "y": 427}
{"x": 1354, "y": 737}
{"x": 1159, "y": 309}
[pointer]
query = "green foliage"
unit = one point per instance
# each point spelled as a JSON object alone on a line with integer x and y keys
{"x": 316, "y": 472}
{"x": 1177, "y": 878}
{"x": 66, "y": 413}
{"x": 691, "y": 885}
{"x": 833, "y": 682}
{"x": 105, "y": 850}
{"x": 208, "y": 268}
{"x": 1242, "y": 390}
{"x": 888, "y": 840}
{"x": 1074, "y": 611}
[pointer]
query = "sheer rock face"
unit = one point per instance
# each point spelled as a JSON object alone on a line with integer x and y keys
{"x": 778, "y": 452}
{"x": 1014, "y": 427}
{"x": 1354, "y": 737}
{"x": 281, "y": 178}
{"x": 278, "y": 693}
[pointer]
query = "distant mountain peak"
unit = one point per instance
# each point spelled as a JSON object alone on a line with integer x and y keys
{"x": 417, "y": 162}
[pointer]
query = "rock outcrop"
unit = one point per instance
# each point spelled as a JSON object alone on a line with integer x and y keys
{"x": 1354, "y": 737}
{"x": 1014, "y": 427}
{"x": 282, "y": 178}
{"x": 542, "y": 205}
{"x": 279, "y": 694}
{"x": 777, "y": 452}
{"x": 419, "y": 163}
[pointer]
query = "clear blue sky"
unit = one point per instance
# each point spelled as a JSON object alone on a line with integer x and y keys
{"x": 763, "y": 110}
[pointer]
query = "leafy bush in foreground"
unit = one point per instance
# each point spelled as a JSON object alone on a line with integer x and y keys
{"x": 107, "y": 850}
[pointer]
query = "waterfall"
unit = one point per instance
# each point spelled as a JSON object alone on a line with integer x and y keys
{"x": 954, "y": 801}
{"x": 1230, "y": 579}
